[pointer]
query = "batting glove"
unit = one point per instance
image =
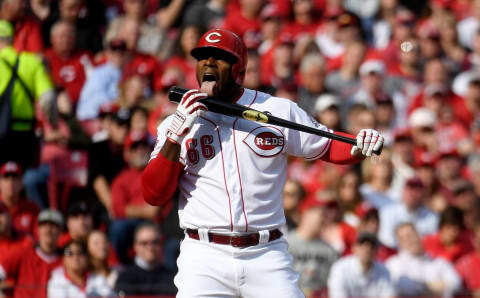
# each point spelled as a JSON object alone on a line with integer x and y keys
{"x": 186, "y": 114}
{"x": 368, "y": 141}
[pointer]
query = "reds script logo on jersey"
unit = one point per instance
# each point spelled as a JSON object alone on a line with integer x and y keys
{"x": 265, "y": 141}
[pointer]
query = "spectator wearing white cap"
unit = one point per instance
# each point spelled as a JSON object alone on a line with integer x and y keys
{"x": 371, "y": 90}
{"x": 327, "y": 111}
{"x": 422, "y": 127}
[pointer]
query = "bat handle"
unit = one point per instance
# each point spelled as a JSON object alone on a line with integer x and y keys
{"x": 176, "y": 93}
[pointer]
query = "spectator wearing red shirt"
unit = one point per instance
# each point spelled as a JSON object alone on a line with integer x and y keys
{"x": 9, "y": 239}
{"x": 245, "y": 22}
{"x": 68, "y": 65}
{"x": 31, "y": 267}
{"x": 137, "y": 63}
{"x": 28, "y": 35}
{"x": 304, "y": 20}
{"x": 129, "y": 206}
{"x": 187, "y": 40}
{"x": 452, "y": 241}
{"x": 468, "y": 267}
{"x": 22, "y": 211}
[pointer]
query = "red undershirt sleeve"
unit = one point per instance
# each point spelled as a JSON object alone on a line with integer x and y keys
{"x": 160, "y": 180}
{"x": 339, "y": 152}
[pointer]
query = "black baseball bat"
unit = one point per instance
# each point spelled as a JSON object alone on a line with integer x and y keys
{"x": 235, "y": 110}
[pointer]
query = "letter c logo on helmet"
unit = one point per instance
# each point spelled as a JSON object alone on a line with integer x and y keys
{"x": 210, "y": 39}
{"x": 226, "y": 41}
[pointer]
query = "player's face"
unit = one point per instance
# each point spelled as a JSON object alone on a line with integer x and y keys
{"x": 216, "y": 66}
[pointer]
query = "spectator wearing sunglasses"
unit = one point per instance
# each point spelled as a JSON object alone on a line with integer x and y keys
{"x": 147, "y": 275}
{"x": 73, "y": 279}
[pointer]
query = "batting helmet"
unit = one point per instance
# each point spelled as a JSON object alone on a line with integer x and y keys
{"x": 226, "y": 41}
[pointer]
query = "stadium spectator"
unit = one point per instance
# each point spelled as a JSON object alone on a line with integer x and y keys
{"x": 245, "y": 22}
{"x": 100, "y": 257}
{"x": 358, "y": 116}
{"x": 377, "y": 177}
{"x": 102, "y": 84}
{"x": 69, "y": 66}
{"x": 410, "y": 209}
{"x": 469, "y": 26}
{"x": 312, "y": 76}
{"x": 468, "y": 267}
{"x": 86, "y": 18}
{"x": 449, "y": 169}
{"x": 106, "y": 155}
{"x": 359, "y": 274}
{"x": 129, "y": 207}
{"x": 343, "y": 80}
{"x": 132, "y": 91}
{"x": 253, "y": 74}
{"x": 415, "y": 273}
{"x": 9, "y": 239}
{"x": 170, "y": 13}
{"x": 27, "y": 36}
{"x": 21, "y": 92}
{"x": 147, "y": 275}
{"x": 73, "y": 278}
{"x": 452, "y": 241}
{"x": 79, "y": 223}
{"x": 435, "y": 195}
{"x": 304, "y": 21}
{"x": 370, "y": 223}
{"x": 326, "y": 36}
{"x": 23, "y": 213}
{"x": 186, "y": 41}
{"x": 349, "y": 198}
{"x": 272, "y": 23}
{"x": 152, "y": 39}
{"x": 327, "y": 111}
{"x": 293, "y": 194}
{"x": 403, "y": 159}
{"x": 334, "y": 230}
{"x": 312, "y": 257}
{"x": 421, "y": 125}
{"x": 207, "y": 15}
{"x": 30, "y": 268}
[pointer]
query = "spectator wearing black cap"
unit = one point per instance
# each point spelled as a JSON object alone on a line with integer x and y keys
{"x": 129, "y": 206}
{"x": 147, "y": 275}
{"x": 359, "y": 275}
{"x": 106, "y": 154}
{"x": 31, "y": 267}
{"x": 411, "y": 209}
{"x": 22, "y": 212}
{"x": 73, "y": 279}
{"x": 79, "y": 223}
{"x": 414, "y": 273}
{"x": 102, "y": 84}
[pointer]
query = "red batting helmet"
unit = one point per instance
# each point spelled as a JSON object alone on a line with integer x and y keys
{"x": 229, "y": 42}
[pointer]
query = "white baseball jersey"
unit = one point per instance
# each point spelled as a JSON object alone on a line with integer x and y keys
{"x": 235, "y": 169}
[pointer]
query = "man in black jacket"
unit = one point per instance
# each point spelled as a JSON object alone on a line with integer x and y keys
{"x": 146, "y": 276}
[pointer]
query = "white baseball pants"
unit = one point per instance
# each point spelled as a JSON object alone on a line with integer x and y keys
{"x": 216, "y": 270}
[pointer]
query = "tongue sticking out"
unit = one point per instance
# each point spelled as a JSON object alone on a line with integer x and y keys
{"x": 208, "y": 87}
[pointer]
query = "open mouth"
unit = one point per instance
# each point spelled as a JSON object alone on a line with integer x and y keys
{"x": 209, "y": 77}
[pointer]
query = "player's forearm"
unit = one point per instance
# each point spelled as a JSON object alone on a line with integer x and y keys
{"x": 160, "y": 177}
{"x": 339, "y": 152}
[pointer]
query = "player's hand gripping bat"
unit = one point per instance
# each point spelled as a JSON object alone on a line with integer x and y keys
{"x": 236, "y": 110}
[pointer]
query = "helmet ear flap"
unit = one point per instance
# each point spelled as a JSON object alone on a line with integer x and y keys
{"x": 237, "y": 74}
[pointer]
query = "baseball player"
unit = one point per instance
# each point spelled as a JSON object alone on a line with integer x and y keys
{"x": 231, "y": 173}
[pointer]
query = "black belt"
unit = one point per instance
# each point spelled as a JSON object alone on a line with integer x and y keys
{"x": 235, "y": 241}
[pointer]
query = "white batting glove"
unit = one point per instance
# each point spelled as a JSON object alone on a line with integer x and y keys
{"x": 368, "y": 141}
{"x": 186, "y": 114}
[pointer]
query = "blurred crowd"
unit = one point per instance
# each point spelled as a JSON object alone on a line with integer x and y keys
{"x": 91, "y": 86}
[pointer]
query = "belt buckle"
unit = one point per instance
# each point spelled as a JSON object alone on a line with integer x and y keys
{"x": 234, "y": 241}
